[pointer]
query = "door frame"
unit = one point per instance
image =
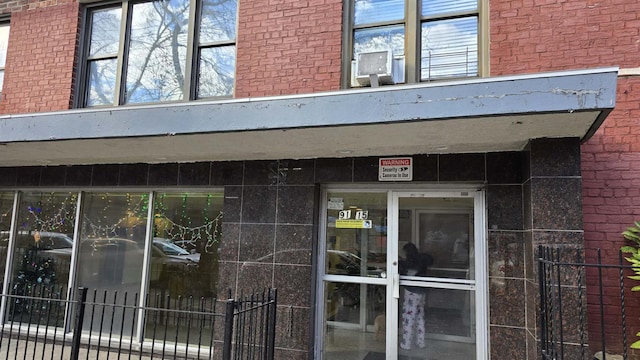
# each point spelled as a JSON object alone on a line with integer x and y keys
{"x": 394, "y": 192}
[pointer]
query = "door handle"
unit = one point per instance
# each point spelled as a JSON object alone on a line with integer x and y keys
{"x": 396, "y": 286}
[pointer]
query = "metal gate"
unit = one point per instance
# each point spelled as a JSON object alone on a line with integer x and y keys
{"x": 580, "y": 321}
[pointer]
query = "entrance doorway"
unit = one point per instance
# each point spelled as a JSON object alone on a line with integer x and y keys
{"x": 403, "y": 275}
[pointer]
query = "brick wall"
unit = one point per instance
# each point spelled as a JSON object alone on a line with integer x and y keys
{"x": 40, "y": 62}
{"x": 288, "y": 47}
{"x": 546, "y": 35}
{"x": 611, "y": 175}
{"x": 530, "y": 36}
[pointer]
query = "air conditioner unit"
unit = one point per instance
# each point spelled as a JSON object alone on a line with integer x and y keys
{"x": 380, "y": 66}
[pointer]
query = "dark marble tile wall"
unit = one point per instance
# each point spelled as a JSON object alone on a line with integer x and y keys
{"x": 271, "y": 223}
{"x": 552, "y": 217}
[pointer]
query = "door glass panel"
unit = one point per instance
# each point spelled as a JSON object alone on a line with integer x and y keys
{"x": 356, "y": 250}
{"x": 354, "y": 321}
{"x": 42, "y": 255}
{"x": 435, "y": 243}
{"x": 436, "y": 321}
{"x": 443, "y": 229}
{"x": 356, "y": 234}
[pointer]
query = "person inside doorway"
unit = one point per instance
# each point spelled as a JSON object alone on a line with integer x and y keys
{"x": 413, "y": 305}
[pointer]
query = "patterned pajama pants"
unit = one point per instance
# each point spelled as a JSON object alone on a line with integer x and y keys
{"x": 413, "y": 320}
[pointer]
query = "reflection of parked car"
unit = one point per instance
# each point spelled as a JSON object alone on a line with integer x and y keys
{"x": 45, "y": 240}
{"x": 347, "y": 263}
{"x": 165, "y": 248}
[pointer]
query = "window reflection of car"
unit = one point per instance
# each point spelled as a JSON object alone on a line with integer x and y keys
{"x": 346, "y": 295}
{"x": 170, "y": 253}
{"x": 347, "y": 263}
{"x": 45, "y": 240}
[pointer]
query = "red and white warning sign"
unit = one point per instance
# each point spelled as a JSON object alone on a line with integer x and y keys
{"x": 395, "y": 169}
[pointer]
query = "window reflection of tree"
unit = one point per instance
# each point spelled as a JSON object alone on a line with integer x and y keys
{"x": 157, "y": 51}
{"x": 156, "y": 57}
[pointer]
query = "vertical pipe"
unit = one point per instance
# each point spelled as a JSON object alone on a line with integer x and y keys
{"x": 77, "y": 329}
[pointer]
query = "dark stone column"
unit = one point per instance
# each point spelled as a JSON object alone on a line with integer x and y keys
{"x": 553, "y": 218}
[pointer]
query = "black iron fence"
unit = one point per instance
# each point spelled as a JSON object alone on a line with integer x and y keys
{"x": 43, "y": 324}
{"x": 586, "y": 309}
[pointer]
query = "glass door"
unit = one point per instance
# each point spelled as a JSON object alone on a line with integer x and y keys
{"x": 439, "y": 241}
{"x": 403, "y": 276}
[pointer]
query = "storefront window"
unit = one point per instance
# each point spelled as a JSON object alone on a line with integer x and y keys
{"x": 41, "y": 254}
{"x": 184, "y": 262}
{"x": 112, "y": 246}
{"x": 6, "y": 213}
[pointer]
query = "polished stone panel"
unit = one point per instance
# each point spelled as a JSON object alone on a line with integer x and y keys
{"x": 294, "y": 244}
{"x": 258, "y": 204}
{"x": 291, "y": 354}
{"x": 256, "y": 242}
{"x": 293, "y": 326}
{"x": 533, "y": 348}
{"x": 105, "y": 175}
{"x": 527, "y": 213}
{"x": 28, "y": 176}
{"x": 53, "y": 175}
{"x": 425, "y": 167}
{"x": 79, "y": 175}
{"x": 296, "y": 204}
{"x": 232, "y": 203}
{"x": 261, "y": 172}
{"x": 8, "y": 176}
{"x": 134, "y": 174}
{"x": 255, "y": 277}
{"x": 294, "y": 284}
{"x": 194, "y": 173}
{"x": 504, "y": 207}
{"x": 506, "y": 254}
{"x": 504, "y": 168}
{"x": 506, "y": 299}
{"x": 163, "y": 174}
{"x": 296, "y": 172}
{"x": 334, "y": 170}
{"x": 555, "y": 157}
{"x": 532, "y": 302}
{"x": 229, "y": 247}
{"x": 556, "y": 203}
{"x": 227, "y": 173}
{"x": 227, "y": 272}
{"x": 462, "y": 167}
{"x": 365, "y": 169}
{"x": 508, "y": 343}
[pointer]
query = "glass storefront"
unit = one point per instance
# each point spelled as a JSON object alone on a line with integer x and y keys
{"x": 120, "y": 254}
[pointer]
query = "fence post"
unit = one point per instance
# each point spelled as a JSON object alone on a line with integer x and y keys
{"x": 228, "y": 329}
{"x": 77, "y": 329}
{"x": 273, "y": 302}
{"x": 543, "y": 302}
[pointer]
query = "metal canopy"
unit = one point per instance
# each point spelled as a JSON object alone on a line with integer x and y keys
{"x": 475, "y": 115}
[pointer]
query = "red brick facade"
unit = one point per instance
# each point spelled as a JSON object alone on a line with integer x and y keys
{"x": 288, "y": 47}
{"x": 39, "y": 73}
{"x": 293, "y": 47}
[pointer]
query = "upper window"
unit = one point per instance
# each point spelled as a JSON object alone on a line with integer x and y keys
{"x": 428, "y": 39}
{"x": 4, "y": 42}
{"x": 156, "y": 51}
